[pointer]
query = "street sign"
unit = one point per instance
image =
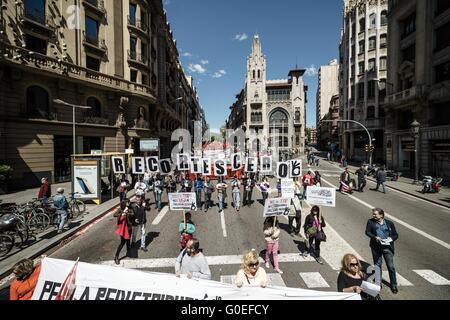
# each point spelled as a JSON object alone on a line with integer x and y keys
{"x": 149, "y": 144}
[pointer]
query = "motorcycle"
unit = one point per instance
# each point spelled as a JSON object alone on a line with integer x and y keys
{"x": 431, "y": 185}
{"x": 392, "y": 175}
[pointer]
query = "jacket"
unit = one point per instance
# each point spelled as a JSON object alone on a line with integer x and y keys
{"x": 272, "y": 234}
{"x": 24, "y": 289}
{"x": 45, "y": 191}
{"x": 198, "y": 185}
{"x": 123, "y": 223}
{"x": 309, "y": 222}
{"x": 139, "y": 214}
{"x": 381, "y": 176}
{"x": 307, "y": 180}
{"x": 345, "y": 177}
{"x": 361, "y": 173}
{"x": 190, "y": 227}
{"x": 371, "y": 232}
{"x": 60, "y": 202}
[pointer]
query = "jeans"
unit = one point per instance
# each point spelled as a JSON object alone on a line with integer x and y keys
{"x": 45, "y": 201}
{"x": 298, "y": 221}
{"x": 361, "y": 184}
{"x": 122, "y": 196}
{"x": 207, "y": 200}
{"x": 158, "y": 199}
{"x": 272, "y": 248}
{"x": 220, "y": 199}
{"x": 62, "y": 217}
{"x": 265, "y": 195}
{"x": 248, "y": 197}
{"x": 237, "y": 199}
{"x": 122, "y": 243}
{"x": 378, "y": 254}
{"x": 135, "y": 230}
{"x": 316, "y": 250}
{"x": 383, "y": 184}
{"x": 198, "y": 194}
{"x": 304, "y": 191}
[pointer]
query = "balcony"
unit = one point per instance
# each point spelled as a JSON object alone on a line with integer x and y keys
{"x": 374, "y": 123}
{"x": 372, "y": 32}
{"x": 96, "y": 7}
{"x": 405, "y": 96}
{"x": 361, "y": 36}
{"x": 44, "y": 64}
{"x": 37, "y": 21}
{"x": 138, "y": 25}
{"x": 361, "y": 57}
{"x": 96, "y": 120}
{"x": 95, "y": 44}
{"x": 141, "y": 124}
{"x": 134, "y": 57}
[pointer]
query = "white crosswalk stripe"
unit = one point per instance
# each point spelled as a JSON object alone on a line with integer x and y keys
{"x": 401, "y": 281}
{"x": 314, "y": 280}
{"x": 275, "y": 279}
{"x": 160, "y": 216}
{"x": 433, "y": 277}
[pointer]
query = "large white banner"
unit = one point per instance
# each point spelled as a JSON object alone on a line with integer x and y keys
{"x": 99, "y": 282}
{"x": 321, "y": 196}
{"x": 277, "y": 207}
{"x": 182, "y": 201}
{"x": 287, "y": 188}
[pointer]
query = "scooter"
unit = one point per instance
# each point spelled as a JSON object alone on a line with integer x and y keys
{"x": 431, "y": 185}
{"x": 393, "y": 175}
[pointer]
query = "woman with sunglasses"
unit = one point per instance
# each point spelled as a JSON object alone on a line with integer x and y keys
{"x": 351, "y": 276}
{"x": 251, "y": 274}
{"x": 314, "y": 223}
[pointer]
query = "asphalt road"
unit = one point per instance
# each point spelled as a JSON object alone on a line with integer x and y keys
{"x": 422, "y": 250}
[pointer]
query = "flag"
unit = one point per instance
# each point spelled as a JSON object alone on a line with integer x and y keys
{"x": 68, "y": 288}
{"x": 345, "y": 187}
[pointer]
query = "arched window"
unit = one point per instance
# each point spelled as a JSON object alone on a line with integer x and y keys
{"x": 297, "y": 115}
{"x": 141, "y": 114}
{"x": 279, "y": 128}
{"x": 370, "y": 112}
{"x": 383, "y": 17}
{"x": 37, "y": 101}
{"x": 278, "y": 117}
{"x": 373, "y": 20}
{"x": 253, "y": 74}
{"x": 259, "y": 74}
{"x": 96, "y": 107}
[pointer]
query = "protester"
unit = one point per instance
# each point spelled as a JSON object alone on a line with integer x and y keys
{"x": 361, "y": 174}
{"x": 140, "y": 188}
{"x": 140, "y": 219}
{"x": 26, "y": 278}
{"x": 198, "y": 189}
{"x": 329, "y": 156}
{"x": 317, "y": 179}
{"x": 209, "y": 189}
{"x": 295, "y": 213}
{"x": 251, "y": 273}
{"x": 192, "y": 262}
{"x": 307, "y": 181}
{"x": 146, "y": 180}
{"x": 124, "y": 226}
{"x": 236, "y": 193}
{"x": 382, "y": 234}
{"x": 45, "y": 191}
{"x": 221, "y": 194}
{"x": 272, "y": 240}
{"x": 265, "y": 187}
{"x": 186, "y": 184}
{"x": 186, "y": 230}
{"x": 61, "y": 205}
{"x": 171, "y": 185}
{"x": 313, "y": 227}
{"x": 297, "y": 188}
{"x": 381, "y": 179}
{"x": 351, "y": 276}
{"x": 249, "y": 184}
{"x": 123, "y": 186}
{"x": 159, "y": 187}
{"x": 344, "y": 178}
{"x": 279, "y": 188}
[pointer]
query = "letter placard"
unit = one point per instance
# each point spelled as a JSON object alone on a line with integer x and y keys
{"x": 296, "y": 168}
{"x": 118, "y": 164}
{"x": 183, "y": 161}
{"x": 282, "y": 170}
{"x": 196, "y": 165}
{"x": 152, "y": 164}
{"x": 236, "y": 161}
{"x": 165, "y": 166}
{"x": 206, "y": 166}
{"x": 251, "y": 164}
{"x": 220, "y": 167}
{"x": 266, "y": 164}
{"x": 138, "y": 165}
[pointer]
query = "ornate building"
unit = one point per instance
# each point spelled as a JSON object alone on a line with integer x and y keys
{"x": 118, "y": 57}
{"x": 271, "y": 107}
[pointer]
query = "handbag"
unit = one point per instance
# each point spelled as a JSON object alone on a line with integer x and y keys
{"x": 311, "y": 231}
{"x": 321, "y": 236}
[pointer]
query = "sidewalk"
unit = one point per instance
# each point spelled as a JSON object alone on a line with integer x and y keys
{"x": 29, "y": 194}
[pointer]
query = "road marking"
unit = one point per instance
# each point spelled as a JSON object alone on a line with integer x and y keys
{"x": 331, "y": 175}
{"x": 406, "y": 225}
{"x": 160, "y": 216}
{"x": 222, "y": 221}
{"x": 275, "y": 279}
{"x": 313, "y": 280}
{"x": 212, "y": 261}
{"x": 401, "y": 281}
{"x": 433, "y": 277}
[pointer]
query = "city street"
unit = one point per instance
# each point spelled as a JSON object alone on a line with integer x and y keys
{"x": 421, "y": 257}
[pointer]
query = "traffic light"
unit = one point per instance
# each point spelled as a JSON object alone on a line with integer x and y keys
{"x": 366, "y": 147}
{"x": 369, "y": 148}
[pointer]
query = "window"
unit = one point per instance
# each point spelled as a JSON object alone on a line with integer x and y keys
{"x": 144, "y": 51}
{"x": 442, "y": 72}
{"x": 352, "y": 114}
{"x": 353, "y": 70}
{"x": 441, "y": 6}
{"x": 361, "y": 68}
{"x": 408, "y": 25}
{"x": 383, "y": 17}
{"x": 259, "y": 74}
{"x": 36, "y": 44}
{"x": 352, "y": 93}
{"x": 409, "y": 54}
{"x": 133, "y": 44}
{"x": 144, "y": 79}
{"x": 91, "y": 30}
{"x": 254, "y": 74}
{"x": 37, "y": 101}
{"x": 132, "y": 19}
{"x": 442, "y": 37}
{"x": 381, "y": 113}
{"x": 353, "y": 51}
{"x": 371, "y": 65}
{"x": 92, "y": 63}
{"x": 371, "y": 89}
{"x": 361, "y": 90}
{"x": 370, "y": 112}
{"x": 361, "y": 46}
{"x": 297, "y": 116}
{"x": 35, "y": 10}
{"x": 96, "y": 107}
{"x": 372, "y": 43}
{"x": 382, "y": 88}
{"x": 383, "y": 40}
{"x": 383, "y": 62}
{"x": 373, "y": 21}
{"x": 362, "y": 24}
{"x": 143, "y": 19}
{"x": 353, "y": 30}
{"x": 133, "y": 75}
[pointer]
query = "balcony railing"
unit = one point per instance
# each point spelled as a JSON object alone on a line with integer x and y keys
{"x": 140, "y": 58}
{"x": 407, "y": 94}
{"x": 96, "y": 120}
{"x": 94, "y": 41}
{"x": 97, "y": 5}
{"x": 138, "y": 24}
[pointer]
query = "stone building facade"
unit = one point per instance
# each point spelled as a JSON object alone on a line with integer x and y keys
{"x": 271, "y": 107}
{"x": 419, "y": 86}
{"x": 118, "y": 57}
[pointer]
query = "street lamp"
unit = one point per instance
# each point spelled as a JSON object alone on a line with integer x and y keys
{"x": 415, "y": 128}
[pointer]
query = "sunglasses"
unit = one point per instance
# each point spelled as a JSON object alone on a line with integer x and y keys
{"x": 354, "y": 264}
{"x": 252, "y": 265}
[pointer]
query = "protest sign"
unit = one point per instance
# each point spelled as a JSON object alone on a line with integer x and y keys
{"x": 321, "y": 196}
{"x": 277, "y": 207}
{"x": 182, "y": 201}
{"x": 287, "y": 188}
{"x": 282, "y": 170}
{"x": 266, "y": 164}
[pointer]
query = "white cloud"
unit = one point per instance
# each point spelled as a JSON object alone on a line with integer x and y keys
{"x": 186, "y": 54}
{"x": 311, "y": 71}
{"x": 204, "y": 62}
{"x": 240, "y": 37}
{"x": 219, "y": 74}
{"x": 166, "y": 2}
{"x": 196, "y": 68}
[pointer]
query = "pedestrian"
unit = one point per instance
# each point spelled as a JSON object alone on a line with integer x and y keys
{"x": 272, "y": 239}
{"x": 361, "y": 175}
{"x": 307, "y": 181}
{"x": 192, "y": 262}
{"x": 209, "y": 189}
{"x": 313, "y": 227}
{"x": 295, "y": 213}
{"x": 186, "y": 230}
{"x": 265, "y": 187}
{"x": 382, "y": 234}
{"x": 146, "y": 180}
{"x": 45, "y": 191}
{"x": 251, "y": 273}
{"x": 140, "y": 219}
{"x": 26, "y": 274}
{"x": 221, "y": 194}
{"x": 344, "y": 178}
{"x": 186, "y": 184}
{"x": 317, "y": 179}
{"x": 297, "y": 188}
{"x": 140, "y": 188}
{"x": 279, "y": 188}
{"x": 329, "y": 156}
{"x": 122, "y": 189}
{"x": 249, "y": 184}
{"x": 381, "y": 179}
{"x": 61, "y": 205}
{"x": 123, "y": 228}
{"x": 351, "y": 276}
{"x": 198, "y": 189}
{"x": 236, "y": 193}
{"x": 159, "y": 187}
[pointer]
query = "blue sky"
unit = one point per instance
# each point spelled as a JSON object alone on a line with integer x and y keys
{"x": 214, "y": 39}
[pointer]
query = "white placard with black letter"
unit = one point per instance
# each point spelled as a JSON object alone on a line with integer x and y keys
{"x": 182, "y": 201}
{"x": 266, "y": 164}
{"x": 220, "y": 167}
{"x": 287, "y": 188}
{"x": 138, "y": 165}
{"x": 196, "y": 165}
{"x": 321, "y": 196}
{"x": 164, "y": 166}
{"x": 183, "y": 161}
{"x": 236, "y": 161}
{"x": 206, "y": 166}
{"x": 282, "y": 170}
{"x": 118, "y": 165}
{"x": 295, "y": 167}
{"x": 251, "y": 164}
{"x": 152, "y": 164}
{"x": 277, "y": 207}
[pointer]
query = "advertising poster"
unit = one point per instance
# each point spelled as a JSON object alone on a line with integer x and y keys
{"x": 182, "y": 201}
{"x": 287, "y": 188}
{"x": 276, "y": 207}
{"x": 321, "y": 196}
{"x": 86, "y": 178}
